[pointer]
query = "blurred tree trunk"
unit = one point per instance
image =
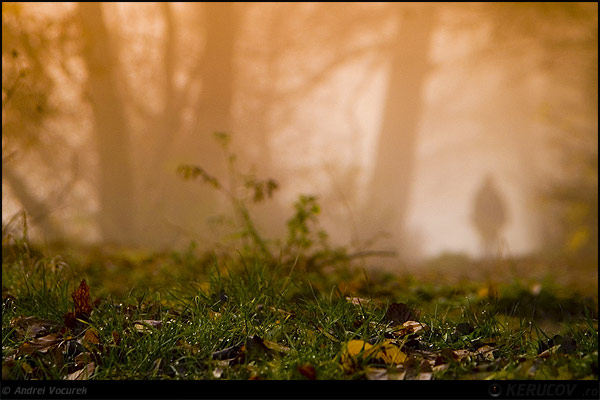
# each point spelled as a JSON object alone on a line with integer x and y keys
{"x": 184, "y": 206}
{"x": 36, "y": 208}
{"x": 212, "y": 113}
{"x": 391, "y": 181}
{"x": 159, "y": 180}
{"x": 216, "y": 99}
{"x": 116, "y": 214}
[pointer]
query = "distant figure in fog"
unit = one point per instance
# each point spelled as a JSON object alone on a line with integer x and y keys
{"x": 489, "y": 215}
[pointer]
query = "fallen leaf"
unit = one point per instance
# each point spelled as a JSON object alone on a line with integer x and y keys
{"x": 41, "y": 344}
{"x": 399, "y": 313}
{"x": 383, "y": 374}
{"x": 568, "y": 345}
{"x": 353, "y": 352}
{"x": 83, "y": 359}
{"x": 227, "y": 353}
{"x": 426, "y": 366}
{"x": 256, "y": 347}
{"x": 464, "y": 329}
{"x": 448, "y": 355}
{"x": 81, "y": 298}
{"x": 83, "y": 373}
{"x": 217, "y": 372}
{"x": 390, "y": 353}
{"x": 276, "y": 346}
{"x": 487, "y": 352}
{"x": 357, "y": 351}
{"x": 27, "y": 368}
{"x": 357, "y": 301}
{"x": 308, "y": 371}
{"x": 547, "y": 353}
{"x": 70, "y": 320}
{"x": 407, "y": 328}
{"x": 116, "y": 337}
{"x": 424, "y": 376}
{"x": 441, "y": 367}
{"x": 32, "y": 326}
{"x": 146, "y": 325}
{"x": 462, "y": 354}
{"x": 91, "y": 336}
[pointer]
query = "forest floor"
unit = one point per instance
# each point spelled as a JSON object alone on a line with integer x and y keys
{"x": 183, "y": 315}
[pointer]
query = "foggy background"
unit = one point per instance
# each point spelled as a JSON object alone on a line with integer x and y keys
{"x": 392, "y": 114}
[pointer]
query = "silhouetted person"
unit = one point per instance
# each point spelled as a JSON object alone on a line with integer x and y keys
{"x": 489, "y": 215}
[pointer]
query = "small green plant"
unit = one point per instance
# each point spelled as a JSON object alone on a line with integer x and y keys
{"x": 305, "y": 243}
{"x": 253, "y": 189}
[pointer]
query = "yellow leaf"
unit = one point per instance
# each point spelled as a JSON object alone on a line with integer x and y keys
{"x": 390, "y": 353}
{"x": 354, "y": 351}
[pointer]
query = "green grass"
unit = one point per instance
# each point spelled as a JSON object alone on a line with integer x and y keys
{"x": 207, "y": 304}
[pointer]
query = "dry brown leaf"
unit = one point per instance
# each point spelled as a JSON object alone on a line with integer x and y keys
{"x": 41, "y": 344}
{"x": 377, "y": 374}
{"x": 448, "y": 355}
{"x": 426, "y": 366}
{"x": 424, "y": 376}
{"x": 82, "y": 374}
{"x": 81, "y": 298}
{"x": 441, "y": 367}
{"x": 217, "y": 372}
{"x": 384, "y": 374}
{"x": 256, "y": 347}
{"x": 357, "y": 301}
{"x": 399, "y": 313}
{"x": 146, "y": 325}
{"x": 308, "y": 371}
{"x": 82, "y": 359}
{"x": 31, "y": 326}
{"x": 116, "y": 337}
{"x": 487, "y": 352}
{"x": 462, "y": 354}
{"x": 91, "y": 336}
{"x": 407, "y": 328}
{"x": 549, "y": 352}
{"x": 228, "y": 353}
{"x": 70, "y": 320}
